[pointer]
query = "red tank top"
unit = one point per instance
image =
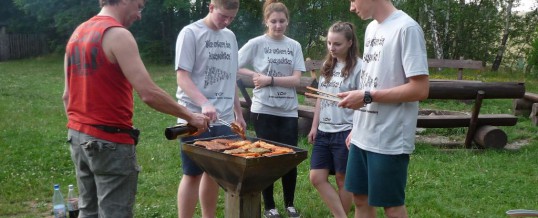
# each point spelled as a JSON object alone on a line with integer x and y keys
{"x": 99, "y": 93}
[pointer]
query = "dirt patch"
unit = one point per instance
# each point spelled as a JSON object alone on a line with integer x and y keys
{"x": 515, "y": 145}
{"x": 455, "y": 142}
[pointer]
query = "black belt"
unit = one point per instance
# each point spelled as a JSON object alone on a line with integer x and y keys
{"x": 134, "y": 132}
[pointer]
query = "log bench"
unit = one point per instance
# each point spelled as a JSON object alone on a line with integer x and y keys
{"x": 481, "y": 127}
{"x": 527, "y": 106}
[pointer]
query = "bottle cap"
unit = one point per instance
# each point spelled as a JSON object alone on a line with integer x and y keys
{"x": 56, "y": 186}
{"x": 70, "y": 186}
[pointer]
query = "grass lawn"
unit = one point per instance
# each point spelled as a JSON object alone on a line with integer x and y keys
{"x": 442, "y": 182}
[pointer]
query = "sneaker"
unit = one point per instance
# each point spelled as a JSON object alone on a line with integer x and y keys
{"x": 272, "y": 213}
{"x": 292, "y": 212}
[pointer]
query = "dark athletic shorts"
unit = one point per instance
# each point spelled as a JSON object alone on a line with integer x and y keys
{"x": 382, "y": 177}
{"x": 330, "y": 152}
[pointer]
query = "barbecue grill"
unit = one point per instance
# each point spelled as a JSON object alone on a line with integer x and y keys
{"x": 243, "y": 179}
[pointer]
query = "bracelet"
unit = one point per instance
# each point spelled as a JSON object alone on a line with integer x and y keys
{"x": 272, "y": 81}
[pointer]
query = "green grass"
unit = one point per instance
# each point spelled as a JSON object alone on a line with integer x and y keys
{"x": 442, "y": 183}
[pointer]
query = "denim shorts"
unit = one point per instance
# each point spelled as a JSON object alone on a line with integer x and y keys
{"x": 107, "y": 175}
{"x": 187, "y": 164}
{"x": 330, "y": 152}
{"x": 382, "y": 177}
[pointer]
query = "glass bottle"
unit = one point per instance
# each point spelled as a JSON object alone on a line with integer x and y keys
{"x": 180, "y": 130}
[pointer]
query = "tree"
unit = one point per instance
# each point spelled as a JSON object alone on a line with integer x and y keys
{"x": 505, "y": 35}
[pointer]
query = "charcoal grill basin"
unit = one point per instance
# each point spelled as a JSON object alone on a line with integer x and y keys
{"x": 243, "y": 179}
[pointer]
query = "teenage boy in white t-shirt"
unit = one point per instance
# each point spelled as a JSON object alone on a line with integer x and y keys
{"x": 394, "y": 78}
{"x": 206, "y": 66}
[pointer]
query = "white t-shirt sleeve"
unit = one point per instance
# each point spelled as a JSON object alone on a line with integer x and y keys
{"x": 185, "y": 51}
{"x": 414, "y": 58}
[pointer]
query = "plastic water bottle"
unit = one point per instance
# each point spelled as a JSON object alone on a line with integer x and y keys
{"x": 72, "y": 202}
{"x": 58, "y": 203}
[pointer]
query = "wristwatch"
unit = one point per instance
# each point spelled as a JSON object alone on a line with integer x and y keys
{"x": 367, "y": 98}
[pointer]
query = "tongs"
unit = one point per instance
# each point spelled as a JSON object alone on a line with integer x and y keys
{"x": 322, "y": 94}
{"x": 224, "y": 122}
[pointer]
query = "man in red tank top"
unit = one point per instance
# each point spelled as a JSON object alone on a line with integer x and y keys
{"x": 102, "y": 67}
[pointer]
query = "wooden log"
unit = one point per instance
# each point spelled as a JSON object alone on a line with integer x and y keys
{"x": 521, "y": 107}
{"x": 490, "y": 137}
{"x": 534, "y": 114}
{"x": 467, "y": 90}
{"x": 313, "y": 65}
{"x": 531, "y": 97}
{"x": 452, "y": 121}
{"x": 306, "y": 111}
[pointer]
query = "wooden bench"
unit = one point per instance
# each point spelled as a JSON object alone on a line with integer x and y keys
{"x": 527, "y": 106}
{"x": 479, "y": 125}
{"x": 314, "y": 65}
{"x": 460, "y": 64}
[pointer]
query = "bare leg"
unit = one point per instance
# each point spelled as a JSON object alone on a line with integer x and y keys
{"x": 396, "y": 212}
{"x": 209, "y": 194}
{"x": 318, "y": 178}
{"x": 345, "y": 196}
{"x": 362, "y": 209}
{"x": 187, "y": 195}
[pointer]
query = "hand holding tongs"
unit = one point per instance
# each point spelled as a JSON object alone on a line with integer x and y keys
{"x": 323, "y": 95}
{"x": 235, "y": 128}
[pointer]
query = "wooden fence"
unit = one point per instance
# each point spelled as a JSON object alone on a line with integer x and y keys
{"x": 17, "y": 46}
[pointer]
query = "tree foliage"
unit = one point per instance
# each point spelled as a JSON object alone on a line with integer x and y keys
{"x": 453, "y": 28}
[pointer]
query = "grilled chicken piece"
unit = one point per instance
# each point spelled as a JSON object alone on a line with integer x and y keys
{"x": 237, "y": 129}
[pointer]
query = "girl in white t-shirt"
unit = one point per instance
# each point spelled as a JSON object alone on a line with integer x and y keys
{"x": 275, "y": 63}
{"x": 331, "y": 124}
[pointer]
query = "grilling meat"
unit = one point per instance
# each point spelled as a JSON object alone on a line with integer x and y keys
{"x": 210, "y": 145}
{"x": 244, "y": 148}
{"x": 237, "y": 129}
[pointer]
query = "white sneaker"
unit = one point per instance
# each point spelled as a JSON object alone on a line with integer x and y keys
{"x": 292, "y": 212}
{"x": 272, "y": 213}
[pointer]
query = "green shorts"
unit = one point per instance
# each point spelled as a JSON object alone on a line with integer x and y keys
{"x": 382, "y": 177}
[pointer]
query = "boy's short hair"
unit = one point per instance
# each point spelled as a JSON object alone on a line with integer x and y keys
{"x": 226, "y": 4}
{"x": 111, "y": 2}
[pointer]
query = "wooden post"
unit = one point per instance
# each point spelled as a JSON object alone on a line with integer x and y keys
{"x": 490, "y": 137}
{"x": 243, "y": 206}
{"x": 534, "y": 114}
{"x": 244, "y": 92}
{"x": 474, "y": 118}
{"x": 460, "y": 71}
{"x": 521, "y": 107}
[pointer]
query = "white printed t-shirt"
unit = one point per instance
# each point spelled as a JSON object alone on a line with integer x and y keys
{"x": 210, "y": 57}
{"x": 277, "y": 58}
{"x": 331, "y": 117}
{"x": 393, "y": 51}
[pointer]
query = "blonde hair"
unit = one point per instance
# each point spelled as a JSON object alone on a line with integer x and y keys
{"x": 347, "y": 29}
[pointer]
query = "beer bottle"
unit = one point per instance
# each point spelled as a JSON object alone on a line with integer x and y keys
{"x": 180, "y": 130}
